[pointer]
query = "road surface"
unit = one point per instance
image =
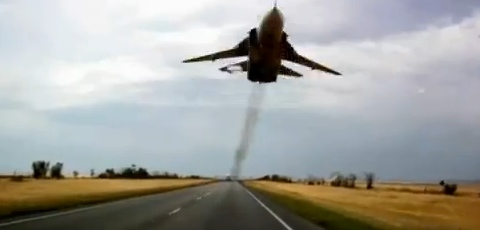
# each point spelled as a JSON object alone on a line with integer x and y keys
{"x": 218, "y": 206}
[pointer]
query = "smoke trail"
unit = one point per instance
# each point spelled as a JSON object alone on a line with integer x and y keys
{"x": 254, "y": 106}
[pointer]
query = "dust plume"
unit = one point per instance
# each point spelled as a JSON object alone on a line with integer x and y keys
{"x": 254, "y": 106}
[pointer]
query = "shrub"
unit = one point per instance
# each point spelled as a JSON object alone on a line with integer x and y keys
{"x": 448, "y": 189}
{"x": 369, "y": 178}
{"x": 337, "y": 181}
{"x": 18, "y": 178}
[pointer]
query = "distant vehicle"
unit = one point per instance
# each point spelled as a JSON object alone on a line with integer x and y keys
{"x": 228, "y": 178}
{"x": 265, "y": 47}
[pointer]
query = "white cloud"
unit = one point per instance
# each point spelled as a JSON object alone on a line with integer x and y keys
{"x": 400, "y": 63}
{"x": 118, "y": 70}
{"x": 366, "y": 64}
{"x": 136, "y": 54}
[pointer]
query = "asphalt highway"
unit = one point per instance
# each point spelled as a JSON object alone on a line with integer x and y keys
{"x": 218, "y": 206}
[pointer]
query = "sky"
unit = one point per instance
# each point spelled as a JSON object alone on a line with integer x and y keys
{"x": 97, "y": 84}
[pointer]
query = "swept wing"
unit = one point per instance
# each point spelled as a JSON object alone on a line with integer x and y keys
{"x": 238, "y": 51}
{"x": 290, "y": 54}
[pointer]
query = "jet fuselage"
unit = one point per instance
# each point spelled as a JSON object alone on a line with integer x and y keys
{"x": 266, "y": 47}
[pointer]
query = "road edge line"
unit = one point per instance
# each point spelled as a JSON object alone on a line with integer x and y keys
{"x": 285, "y": 225}
{"x": 92, "y": 206}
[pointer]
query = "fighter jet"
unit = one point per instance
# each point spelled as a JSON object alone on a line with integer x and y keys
{"x": 266, "y": 47}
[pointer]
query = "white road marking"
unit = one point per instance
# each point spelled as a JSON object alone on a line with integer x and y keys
{"x": 199, "y": 197}
{"x": 206, "y": 194}
{"x": 51, "y": 215}
{"x": 174, "y": 211}
{"x": 63, "y": 213}
{"x": 269, "y": 211}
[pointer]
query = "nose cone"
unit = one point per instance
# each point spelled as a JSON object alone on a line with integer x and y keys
{"x": 276, "y": 15}
{"x": 271, "y": 27}
{"x": 277, "y": 12}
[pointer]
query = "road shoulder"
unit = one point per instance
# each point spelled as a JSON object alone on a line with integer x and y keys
{"x": 292, "y": 219}
{"x": 307, "y": 214}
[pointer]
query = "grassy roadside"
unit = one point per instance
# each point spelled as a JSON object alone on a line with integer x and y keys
{"x": 76, "y": 201}
{"x": 326, "y": 218}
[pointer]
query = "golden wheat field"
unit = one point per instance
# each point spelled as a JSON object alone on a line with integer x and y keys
{"x": 16, "y": 195}
{"x": 402, "y": 206}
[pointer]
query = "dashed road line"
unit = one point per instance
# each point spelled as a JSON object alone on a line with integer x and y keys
{"x": 174, "y": 211}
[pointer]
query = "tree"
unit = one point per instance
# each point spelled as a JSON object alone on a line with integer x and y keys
{"x": 336, "y": 179}
{"x": 40, "y": 169}
{"x": 134, "y": 171}
{"x": 92, "y": 172}
{"x": 141, "y": 173}
{"x": 56, "y": 171}
{"x": 275, "y": 177}
{"x": 344, "y": 181}
{"x": 109, "y": 173}
{"x": 75, "y": 174}
{"x": 266, "y": 177}
{"x": 448, "y": 189}
{"x": 322, "y": 181}
{"x": 369, "y": 178}
{"x": 339, "y": 180}
{"x": 351, "y": 180}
